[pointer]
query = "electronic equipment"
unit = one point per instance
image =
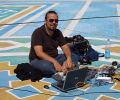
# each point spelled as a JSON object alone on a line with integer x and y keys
{"x": 46, "y": 86}
{"x": 73, "y": 79}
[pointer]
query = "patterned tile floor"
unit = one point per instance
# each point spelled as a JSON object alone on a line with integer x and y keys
{"x": 96, "y": 20}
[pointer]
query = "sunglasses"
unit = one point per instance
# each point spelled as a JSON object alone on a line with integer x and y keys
{"x": 53, "y": 20}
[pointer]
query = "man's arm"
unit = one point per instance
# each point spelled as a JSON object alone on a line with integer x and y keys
{"x": 41, "y": 54}
{"x": 67, "y": 53}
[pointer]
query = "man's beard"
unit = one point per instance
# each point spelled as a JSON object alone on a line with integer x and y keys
{"x": 53, "y": 27}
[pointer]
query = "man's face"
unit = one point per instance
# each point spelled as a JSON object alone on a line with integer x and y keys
{"x": 51, "y": 21}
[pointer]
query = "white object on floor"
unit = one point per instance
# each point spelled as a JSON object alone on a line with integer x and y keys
{"x": 105, "y": 79}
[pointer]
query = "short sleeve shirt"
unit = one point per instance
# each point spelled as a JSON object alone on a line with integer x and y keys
{"x": 49, "y": 43}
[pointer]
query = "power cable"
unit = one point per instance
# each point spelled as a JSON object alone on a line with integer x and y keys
{"x": 99, "y": 17}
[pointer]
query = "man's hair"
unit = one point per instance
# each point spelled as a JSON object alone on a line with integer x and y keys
{"x": 50, "y": 12}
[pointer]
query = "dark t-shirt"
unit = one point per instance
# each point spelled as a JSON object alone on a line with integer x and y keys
{"x": 49, "y": 43}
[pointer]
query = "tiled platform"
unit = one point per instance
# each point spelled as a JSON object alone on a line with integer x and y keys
{"x": 97, "y": 20}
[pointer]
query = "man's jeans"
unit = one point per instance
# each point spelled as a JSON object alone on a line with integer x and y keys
{"x": 47, "y": 68}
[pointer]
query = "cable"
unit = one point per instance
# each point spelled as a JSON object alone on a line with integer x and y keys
{"x": 99, "y": 17}
{"x": 94, "y": 17}
{"x": 57, "y": 95}
{"x": 22, "y": 23}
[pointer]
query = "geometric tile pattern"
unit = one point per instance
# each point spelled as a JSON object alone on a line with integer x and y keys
{"x": 20, "y": 92}
{"x": 15, "y": 36}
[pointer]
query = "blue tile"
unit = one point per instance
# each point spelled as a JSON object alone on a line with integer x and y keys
{"x": 25, "y": 91}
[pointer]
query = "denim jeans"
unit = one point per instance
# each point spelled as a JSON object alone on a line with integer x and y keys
{"x": 47, "y": 68}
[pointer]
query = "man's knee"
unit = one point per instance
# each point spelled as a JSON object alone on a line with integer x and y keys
{"x": 44, "y": 66}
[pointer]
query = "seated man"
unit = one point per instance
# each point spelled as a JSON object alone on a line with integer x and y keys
{"x": 44, "y": 43}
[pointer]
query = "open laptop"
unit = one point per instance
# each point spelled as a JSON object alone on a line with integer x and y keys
{"x": 72, "y": 80}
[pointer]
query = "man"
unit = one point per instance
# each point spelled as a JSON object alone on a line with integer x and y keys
{"x": 44, "y": 43}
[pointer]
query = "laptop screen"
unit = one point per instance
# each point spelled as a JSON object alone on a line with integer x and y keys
{"x": 74, "y": 77}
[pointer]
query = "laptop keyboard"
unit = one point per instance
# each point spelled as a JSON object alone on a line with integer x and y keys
{"x": 59, "y": 84}
{"x": 57, "y": 77}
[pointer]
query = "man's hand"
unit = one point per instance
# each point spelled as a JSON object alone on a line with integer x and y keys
{"x": 57, "y": 66}
{"x": 68, "y": 63}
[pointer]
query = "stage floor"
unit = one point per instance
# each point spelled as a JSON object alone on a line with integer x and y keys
{"x": 96, "y": 20}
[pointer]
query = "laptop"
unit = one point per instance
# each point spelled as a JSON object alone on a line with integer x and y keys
{"x": 73, "y": 80}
